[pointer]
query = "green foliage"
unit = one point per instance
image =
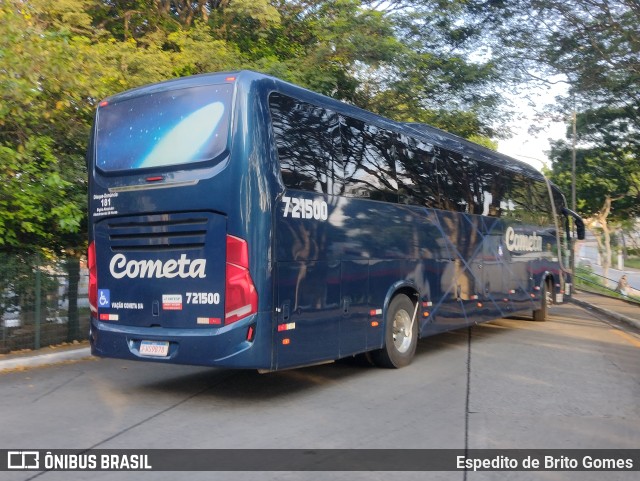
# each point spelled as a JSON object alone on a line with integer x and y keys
{"x": 197, "y": 51}
{"x": 41, "y": 131}
{"x": 608, "y": 166}
{"x": 484, "y": 141}
{"x": 633, "y": 262}
{"x": 411, "y": 61}
{"x": 595, "y": 48}
{"x": 35, "y": 194}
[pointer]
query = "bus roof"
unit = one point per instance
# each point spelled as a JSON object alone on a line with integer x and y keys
{"x": 477, "y": 151}
{"x": 429, "y": 133}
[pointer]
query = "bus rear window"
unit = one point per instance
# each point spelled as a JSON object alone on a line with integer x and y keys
{"x": 163, "y": 129}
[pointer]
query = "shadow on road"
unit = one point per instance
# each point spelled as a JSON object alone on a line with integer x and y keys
{"x": 251, "y": 386}
{"x": 247, "y": 386}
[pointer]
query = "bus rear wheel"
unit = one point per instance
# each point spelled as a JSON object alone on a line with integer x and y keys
{"x": 401, "y": 334}
{"x": 542, "y": 314}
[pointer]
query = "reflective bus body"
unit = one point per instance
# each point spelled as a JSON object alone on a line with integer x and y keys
{"x": 238, "y": 220}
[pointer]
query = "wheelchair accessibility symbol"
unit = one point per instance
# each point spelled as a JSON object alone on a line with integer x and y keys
{"x": 104, "y": 298}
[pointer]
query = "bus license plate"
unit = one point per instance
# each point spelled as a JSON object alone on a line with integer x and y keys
{"x": 154, "y": 348}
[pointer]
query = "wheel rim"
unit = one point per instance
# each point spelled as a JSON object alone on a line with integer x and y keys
{"x": 402, "y": 331}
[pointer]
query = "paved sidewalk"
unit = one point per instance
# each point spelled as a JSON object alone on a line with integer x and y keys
{"x": 617, "y": 309}
{"x": 44, "y": 357}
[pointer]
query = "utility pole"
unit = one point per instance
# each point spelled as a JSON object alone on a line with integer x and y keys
{"x": 572, "y": 260}
{"x": 573, "y": 161}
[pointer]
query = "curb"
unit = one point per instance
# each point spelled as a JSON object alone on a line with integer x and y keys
{"x": 606, "y": 312}
{"x": 44, "y": 359}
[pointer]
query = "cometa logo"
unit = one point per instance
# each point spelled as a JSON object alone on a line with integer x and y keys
{"x": 522, "y": 242}
{"x": 120, "y": 267}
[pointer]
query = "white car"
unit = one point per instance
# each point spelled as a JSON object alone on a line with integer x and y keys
{"x": 11, "y": 317}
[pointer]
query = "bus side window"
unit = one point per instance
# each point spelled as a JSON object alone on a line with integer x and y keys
{"x": 493, "y": 187}
{"x": 541, "y": 204}
{"x": 305, "y": 138}
{"x": 458, "y": 178}
{"x": 368, "y": 166}
{"x": 528, "y": 201}
{"x": 517, "y": 202}
{"x": 416, "y": 169}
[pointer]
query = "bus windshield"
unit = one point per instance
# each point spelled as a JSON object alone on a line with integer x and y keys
{"x": 163, "y": 129}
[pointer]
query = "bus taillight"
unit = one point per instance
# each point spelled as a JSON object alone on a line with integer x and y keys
{"x": 241, "y": 297}
{"x": 93, "y": 278}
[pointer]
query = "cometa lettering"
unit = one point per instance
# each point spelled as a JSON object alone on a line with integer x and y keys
{"x": 522, "y": 242}
{"x": 149, "y": 269}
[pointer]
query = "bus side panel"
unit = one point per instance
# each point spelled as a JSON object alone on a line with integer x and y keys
{"x": 310, "y": 310}
{"x": 520, "y": 274}
{"x": 325, "y": 307}
{"x": 339, "y": 278}
{"x": 355, "y": 322}
{"x": 460, "y": 283}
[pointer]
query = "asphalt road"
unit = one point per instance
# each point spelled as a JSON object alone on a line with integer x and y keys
{"x": 572, "y": 382}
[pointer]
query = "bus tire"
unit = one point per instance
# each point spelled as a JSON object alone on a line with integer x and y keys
{"x": 400, "y": 336}
{"x": 542, "y": 314}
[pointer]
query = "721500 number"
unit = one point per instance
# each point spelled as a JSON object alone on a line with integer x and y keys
{"x": 300, "y": 208}
{"x": 203, "y": 298}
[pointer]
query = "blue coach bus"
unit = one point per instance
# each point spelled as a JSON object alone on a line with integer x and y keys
{"x": 238, "y": 220}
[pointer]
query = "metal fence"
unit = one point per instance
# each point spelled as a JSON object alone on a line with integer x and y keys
{"x": 43, "y": 302}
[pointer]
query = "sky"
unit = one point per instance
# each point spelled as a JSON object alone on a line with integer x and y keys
{"x": 533, "y": 148}
{"x": 529, "y": 148}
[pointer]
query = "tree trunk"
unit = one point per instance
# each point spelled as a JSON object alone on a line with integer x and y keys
{"x": 606, "y": 264}
{"x": 604, "y": 240}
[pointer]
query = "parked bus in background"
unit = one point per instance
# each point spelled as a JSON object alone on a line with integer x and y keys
{"x": 238, "y": 220}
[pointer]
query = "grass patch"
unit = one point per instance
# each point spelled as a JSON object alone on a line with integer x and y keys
{"x": 633, "y": 262}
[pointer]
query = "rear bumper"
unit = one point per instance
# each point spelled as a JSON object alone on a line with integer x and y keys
{"x": 225, "y": 346}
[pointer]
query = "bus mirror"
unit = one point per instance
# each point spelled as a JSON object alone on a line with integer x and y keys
{"x": 579, "y": 228}
{"x": 577, "y": 220}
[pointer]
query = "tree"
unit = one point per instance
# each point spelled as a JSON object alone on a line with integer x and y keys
{"x": 607, "y": 180}
{"x": 60, "y": 58}
{"x": 42, "y": 132}
{"x": 403, "y": 59}
{"x": 51, "y": 77}
{"x": 413, "y": 61}
{"x": 594, "y": 47}
{"x": 36, "y": 201}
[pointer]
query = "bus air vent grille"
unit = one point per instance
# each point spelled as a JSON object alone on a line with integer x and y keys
{"x": 161, "y": 232}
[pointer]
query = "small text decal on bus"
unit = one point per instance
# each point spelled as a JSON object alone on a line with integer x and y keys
{"x": 299, "y": 208}
{"x": 183, "y": 267}
{"x": 522, "y": 242}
